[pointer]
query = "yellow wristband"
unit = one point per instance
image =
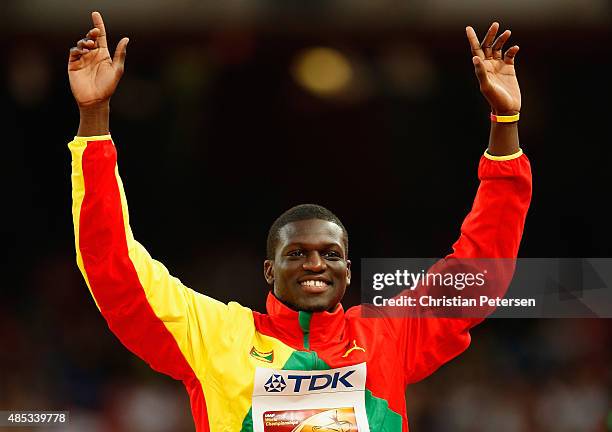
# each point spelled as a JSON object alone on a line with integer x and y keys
{"x": 505, "y": 119}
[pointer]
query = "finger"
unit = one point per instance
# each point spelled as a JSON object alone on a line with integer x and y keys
{"x": 76, "y": 54}
{"x": 510, "y": 54}
{"x": 99, "y": 24}
{"x": 93, "y": 34}
{"x": 86, "y": 43}
{"x": 487, "y": 42}
{"x": 120, "y": 52}
{"x": 481, "y": 72}
{"x": 474, "y": 43}
{"x": 499, "y": 44}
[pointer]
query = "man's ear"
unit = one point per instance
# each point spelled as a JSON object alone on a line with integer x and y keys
{"x": 348, "y": 272}
{"x": 269, "y": 271}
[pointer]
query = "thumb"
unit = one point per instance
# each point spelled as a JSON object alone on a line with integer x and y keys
{"x": 120, "y": 52}
{"x": 481, "y": 72}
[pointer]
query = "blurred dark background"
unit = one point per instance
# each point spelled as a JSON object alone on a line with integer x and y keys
{"x": 231, "y": 112}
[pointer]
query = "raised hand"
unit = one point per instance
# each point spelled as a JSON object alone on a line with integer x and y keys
{"x": 495, "y": 71}
{"x": 93, "y": 75}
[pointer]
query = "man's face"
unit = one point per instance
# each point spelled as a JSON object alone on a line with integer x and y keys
{"x": 310, "y": 270}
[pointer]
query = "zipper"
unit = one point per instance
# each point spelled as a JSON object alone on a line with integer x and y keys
{"x": 304, "y": 320}
{"x": 315, "y": 357}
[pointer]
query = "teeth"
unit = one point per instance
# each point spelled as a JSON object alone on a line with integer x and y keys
{"x": 313, "y": 283}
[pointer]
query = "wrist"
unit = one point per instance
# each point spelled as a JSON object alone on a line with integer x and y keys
{"x": 505, "y": 112}
{"x": 94, "y": 119}
{"x": 94, "y": 109}
{"x": 503, "y": 139}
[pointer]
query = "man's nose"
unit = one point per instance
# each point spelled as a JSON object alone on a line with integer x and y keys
{"x": 314, "y": 262}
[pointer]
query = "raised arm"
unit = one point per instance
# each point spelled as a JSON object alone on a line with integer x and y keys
{"x": 151, "y": 312}
{"x": 494, "y": 226}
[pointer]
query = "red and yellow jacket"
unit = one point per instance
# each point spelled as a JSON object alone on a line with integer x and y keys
{"x": 215, "y": 348}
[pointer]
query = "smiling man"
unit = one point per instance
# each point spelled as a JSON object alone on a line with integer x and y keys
{"x": 307, "y": 261}
{"x": 306, "y": 364}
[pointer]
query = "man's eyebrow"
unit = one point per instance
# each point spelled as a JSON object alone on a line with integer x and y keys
{"x": 303, "y": 244}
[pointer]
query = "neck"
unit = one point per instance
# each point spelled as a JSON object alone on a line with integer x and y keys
{"x": 301, "y": 309}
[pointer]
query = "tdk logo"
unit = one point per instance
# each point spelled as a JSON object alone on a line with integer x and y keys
{"x": 315, "y": 381}
{"x": 275, "y": 384}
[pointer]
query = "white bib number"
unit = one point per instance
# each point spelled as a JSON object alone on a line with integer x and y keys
{"x": 310, "y": 401}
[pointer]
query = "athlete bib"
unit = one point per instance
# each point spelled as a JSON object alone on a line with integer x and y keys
{"x": 310, "y": 401}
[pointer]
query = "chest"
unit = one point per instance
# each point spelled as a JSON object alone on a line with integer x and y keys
{"x": 262, "y": 380}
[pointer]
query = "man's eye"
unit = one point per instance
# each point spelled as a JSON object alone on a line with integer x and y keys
{"x": 333, "y": 255}
{"x": 295, "y": 253}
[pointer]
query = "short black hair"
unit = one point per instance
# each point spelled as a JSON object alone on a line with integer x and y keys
{"x": 299, "y": 213}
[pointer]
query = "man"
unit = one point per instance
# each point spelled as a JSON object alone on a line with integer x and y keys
{"x": 306, "y": 364}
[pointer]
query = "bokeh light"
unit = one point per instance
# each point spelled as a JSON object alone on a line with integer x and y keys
{"x": 323, "y": 71}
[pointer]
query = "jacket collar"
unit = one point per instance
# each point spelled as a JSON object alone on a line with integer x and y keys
{"x": 313, "y": 329}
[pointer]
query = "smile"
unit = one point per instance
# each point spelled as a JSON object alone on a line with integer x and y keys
{"x": 313, "y": 283}
{"x": 314, "y": 286}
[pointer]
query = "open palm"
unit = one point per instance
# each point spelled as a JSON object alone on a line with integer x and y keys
{"x": 495, "y": 71}
{"x": 93, "y": 74}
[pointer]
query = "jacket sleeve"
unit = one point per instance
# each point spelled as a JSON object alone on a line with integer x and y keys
{"x": 152, "y": 313}
{"x": 492, "y": 229}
